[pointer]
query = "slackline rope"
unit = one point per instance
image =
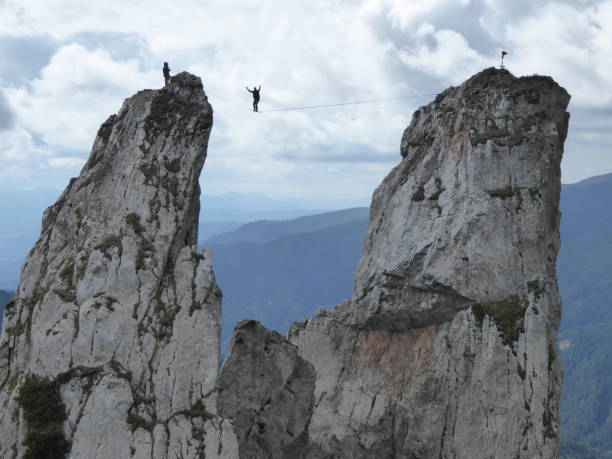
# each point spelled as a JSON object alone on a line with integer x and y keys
{"x": 355, "y": 102}
{"x": 307, "y": 107}
{"x": 227, "y": 100}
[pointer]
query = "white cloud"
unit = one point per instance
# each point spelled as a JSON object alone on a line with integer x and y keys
{"x": 75, "y": 93}
{"x": 66, "y": 162}
{"x": 303, "y": 53}
{"x": 450, "y": 57}
{"x": 574, "y": 44}
{"x": 409, "y": 15}
{"x": 19, "y": 156}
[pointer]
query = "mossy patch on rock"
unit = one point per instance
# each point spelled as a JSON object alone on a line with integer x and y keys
{"x": 436, "y": 195}
{"x": 67, "y": 296}
{"x": 139, "y": 422}
{"x": 79, "y": 372}
{"x": 10, "y": 306}
{"x": 173, "y": 165}
{"x": 160, "y": 115}
{"x": 146, "y": 247}
{"x": 133, "y": 220}
{"x": 508, "y": 315}
{"x": 537, "y": 289}
{"x": 502, "y": 136}
{"x": 12, "y": 382}
{"x": 439, "y": 190}
{"x": 106, "y": 129}
{"x": 67, "y": 272}
{"x": 198, "y": 256}
{"x": 87, "y": 376}
{"x": 38, "y": 295}
{"x": 419, "y": 194}
{"x": 17, "y": 329}
{"x": 197, "y": 411}
{"x": 169, "y": 112}
{"x": 45, "y": 414}
{"x": 509, "y": 192}
{"x": 108, "y": 303}
{"x": 83, "y": 261}
{"x": 171, "y": 184}
{"x": 502, "y": 193}
{"x": 521, "y": 372}
{"x": 150, "y": 172}
{"x": 120, "y": 371}
{"x": 548, "y": 418}
{"x": 154, "y": 207}
{"x": 109, "y": 242}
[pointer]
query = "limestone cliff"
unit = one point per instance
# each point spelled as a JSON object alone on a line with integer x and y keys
{"x": 111, "y": 347}
{"x": 267, "y": 389}
{"x": 447, "y": 348}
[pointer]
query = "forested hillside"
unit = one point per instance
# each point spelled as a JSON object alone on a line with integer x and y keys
{"x": 267, "y": 230}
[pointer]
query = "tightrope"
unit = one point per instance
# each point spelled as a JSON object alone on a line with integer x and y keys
{"x": 227, "y": 100}
{"x": 355, "y": 102}
{"x": 308, "y": 107}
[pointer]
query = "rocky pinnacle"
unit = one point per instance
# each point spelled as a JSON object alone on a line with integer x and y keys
{"x": 447, "y": 348}
{"x": 111, "y": 346}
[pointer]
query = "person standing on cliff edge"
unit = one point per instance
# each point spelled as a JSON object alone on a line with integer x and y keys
{"x": 166, "y": 71}
{"x": 255, "y": 93}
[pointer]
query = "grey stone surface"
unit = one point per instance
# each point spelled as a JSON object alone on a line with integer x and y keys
{"x": 116, "y": 303}
{"x": 267, "y": 389}
{"x": 447, "y": 348}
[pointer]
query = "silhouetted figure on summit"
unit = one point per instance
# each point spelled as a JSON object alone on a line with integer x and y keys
{"x": 255, "y": 93}
{"x": 166, "y": 70}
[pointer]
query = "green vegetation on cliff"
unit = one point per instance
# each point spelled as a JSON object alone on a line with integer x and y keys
{"x": 45, "y": 414}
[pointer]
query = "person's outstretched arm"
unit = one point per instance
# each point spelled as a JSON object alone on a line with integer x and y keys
{"x": 259, "y": 88}
{"x": 247, "y": 88}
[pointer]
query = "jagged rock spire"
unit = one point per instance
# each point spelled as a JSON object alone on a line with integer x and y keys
{"x": 117, "y": 313}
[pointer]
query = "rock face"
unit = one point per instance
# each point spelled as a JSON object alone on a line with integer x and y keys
{"x": 267, "y": 389}
{"x": 447, "y": 348}
{"x": 111, "y": 347}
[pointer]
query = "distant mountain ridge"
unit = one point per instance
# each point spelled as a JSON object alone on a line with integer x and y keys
{"x": 595, "y": 180}
{"x": 591, "y": 204}
{"x": 246, "y": 207}
{"x": 266, "y": 230}
{"x": 282, "y": 280}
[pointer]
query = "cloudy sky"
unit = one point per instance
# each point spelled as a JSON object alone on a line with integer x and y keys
{"x": 67, "y": 64}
